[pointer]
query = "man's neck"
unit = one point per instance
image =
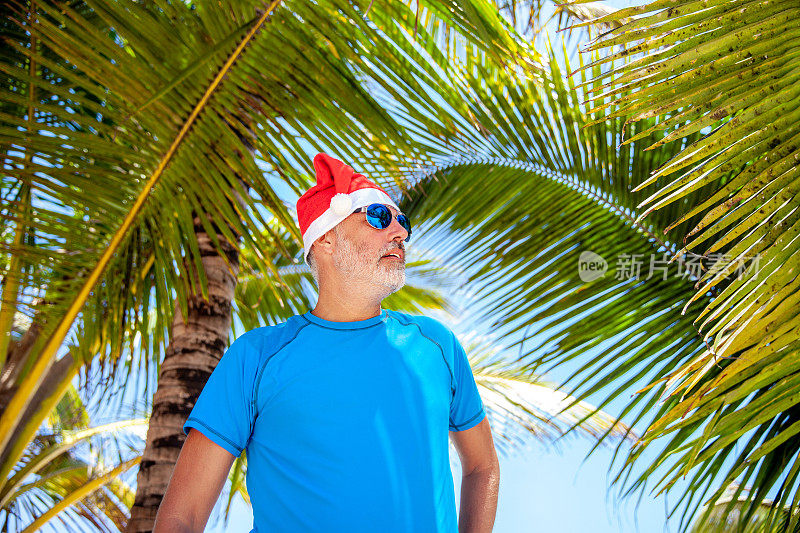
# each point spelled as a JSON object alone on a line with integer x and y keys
{"x": 348, "y": 302}
{"x": 350, "y": 310}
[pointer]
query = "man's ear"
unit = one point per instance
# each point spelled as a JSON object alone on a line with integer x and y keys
{"x": 325, "y": 243}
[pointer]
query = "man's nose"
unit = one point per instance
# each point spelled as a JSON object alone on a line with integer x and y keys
{"x": 396, "y": 230}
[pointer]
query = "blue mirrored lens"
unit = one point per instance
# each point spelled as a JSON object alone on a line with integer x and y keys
{"x": 403, "y": 220}
{"x": 380, "y": 217}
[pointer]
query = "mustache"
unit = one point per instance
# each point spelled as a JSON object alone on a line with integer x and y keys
{"x": 392, "y": 248}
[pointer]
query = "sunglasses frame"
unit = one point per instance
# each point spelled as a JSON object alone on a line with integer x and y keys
{"x": 366, "y": 208}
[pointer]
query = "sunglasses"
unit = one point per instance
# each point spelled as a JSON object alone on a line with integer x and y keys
{"x": 380, "y": 216}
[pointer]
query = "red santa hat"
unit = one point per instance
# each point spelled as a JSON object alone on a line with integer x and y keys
{"x": 339, "y": 191}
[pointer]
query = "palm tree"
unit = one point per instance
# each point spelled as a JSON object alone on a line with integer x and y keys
{"x": 536, "y": 154}
{"x": 147, "y": 256}
{"x": 114, "y": 129}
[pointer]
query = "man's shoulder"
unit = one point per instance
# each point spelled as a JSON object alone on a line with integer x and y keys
{"x": 263, "y": 337}
{"x": 427, "y": 324}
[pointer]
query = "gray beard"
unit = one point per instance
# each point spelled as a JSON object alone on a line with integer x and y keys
{"x": 359, "y": 263}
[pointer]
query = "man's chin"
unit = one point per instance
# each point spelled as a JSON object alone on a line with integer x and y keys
{"x": 391, "y": 289}
{"x": 394, "y": 284}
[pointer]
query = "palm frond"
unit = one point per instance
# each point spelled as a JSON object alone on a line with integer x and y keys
{"x": 725, "y": 70}
{"x": 727, "y": 514}
{"x": 522, "y": 405}
{"x": 63, "y": 476}
{"x": 536, "y": 191}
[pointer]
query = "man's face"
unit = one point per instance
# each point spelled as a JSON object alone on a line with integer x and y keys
{"x": 361, "y": 250}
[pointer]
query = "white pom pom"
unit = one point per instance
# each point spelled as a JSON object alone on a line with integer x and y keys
{"x": 341, "y": 204}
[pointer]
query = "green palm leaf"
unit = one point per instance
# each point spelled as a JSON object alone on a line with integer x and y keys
{"x": 726, "y": 70}
{"x": 726, "y": 513}
{"x": 63, "y": 475}
{"x": 522, "y": 405}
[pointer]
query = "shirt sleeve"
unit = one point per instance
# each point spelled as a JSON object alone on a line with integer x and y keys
{"x": 224, "y": 410}
{"x": 466, "y": 407}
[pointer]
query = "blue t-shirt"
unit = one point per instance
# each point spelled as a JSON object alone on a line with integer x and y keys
{"x": 345, "y": 423}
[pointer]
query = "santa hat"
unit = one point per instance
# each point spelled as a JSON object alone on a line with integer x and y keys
{"x": 339, "y": 191}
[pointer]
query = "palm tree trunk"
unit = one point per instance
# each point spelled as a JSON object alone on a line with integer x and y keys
{"x": 193, "y": 352}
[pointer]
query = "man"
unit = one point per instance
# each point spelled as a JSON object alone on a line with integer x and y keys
{"x": 344, "y": 410}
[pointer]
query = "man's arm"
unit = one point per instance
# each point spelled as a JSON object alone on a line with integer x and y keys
{"x": 194, "y": 487}
{"x": 480, "y": 478}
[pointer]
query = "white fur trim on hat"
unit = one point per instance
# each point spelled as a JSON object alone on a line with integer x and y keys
{"x": 329, "y": 219}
